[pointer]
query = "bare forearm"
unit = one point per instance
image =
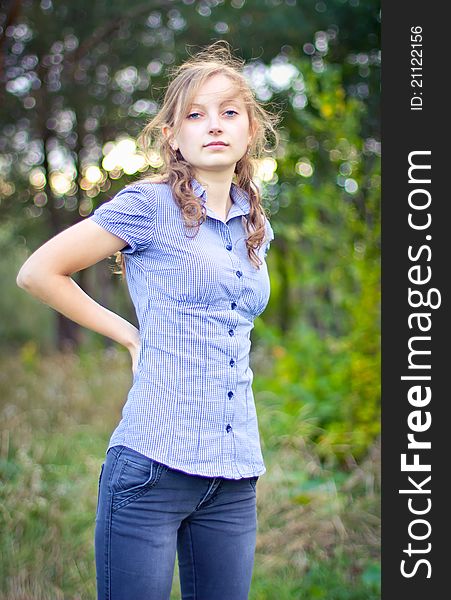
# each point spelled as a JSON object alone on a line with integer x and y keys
{"x": 63, "y": 294}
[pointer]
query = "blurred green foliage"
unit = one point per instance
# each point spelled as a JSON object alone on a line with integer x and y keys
{"x": 319, "y": 528}
{"x": 78, "y": 77}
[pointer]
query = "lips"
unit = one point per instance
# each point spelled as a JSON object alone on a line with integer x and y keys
{"x": 216, "y": 144}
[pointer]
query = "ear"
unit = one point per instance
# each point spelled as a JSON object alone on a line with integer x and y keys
{"x": 168, "y": 134}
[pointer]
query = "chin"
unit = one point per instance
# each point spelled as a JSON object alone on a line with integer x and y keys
{"x": 215, "y": 163}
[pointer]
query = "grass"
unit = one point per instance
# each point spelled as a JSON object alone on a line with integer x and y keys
{"x": 319, "y": 528}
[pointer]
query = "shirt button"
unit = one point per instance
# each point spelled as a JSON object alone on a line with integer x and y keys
{"x": 230, "y": 394}
{"x": 228, "y": 428}
{"x": 233, "y": 305}
{"x": 229, "y": 246}
{"x": 232, "y": 362}
{"x": 238, "y": 273}
{"x": 231, "y": 332}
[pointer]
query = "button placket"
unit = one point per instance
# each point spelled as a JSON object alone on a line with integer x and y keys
{"x": 226, "y": 236}
{"x": 232, "y": 364}
{"x": 231, "y": 384}
{"x": 233, "y": 304}
{"x": 235, "y": 264}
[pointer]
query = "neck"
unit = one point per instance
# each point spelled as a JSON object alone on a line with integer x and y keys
{"x": 217, "y": 186}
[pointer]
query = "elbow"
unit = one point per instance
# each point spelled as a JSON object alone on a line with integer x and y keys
{"x": 33, "y": 281}
{"x": 23, "y": 280}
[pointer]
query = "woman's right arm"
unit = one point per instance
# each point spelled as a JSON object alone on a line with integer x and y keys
{"x": 46, "y": 275}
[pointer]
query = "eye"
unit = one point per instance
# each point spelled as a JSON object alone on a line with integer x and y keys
{"x": 231, "y": 110}
{"x": 191, "y": 114}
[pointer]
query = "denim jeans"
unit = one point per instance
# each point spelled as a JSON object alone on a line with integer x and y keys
{"x": 146, "y": 512}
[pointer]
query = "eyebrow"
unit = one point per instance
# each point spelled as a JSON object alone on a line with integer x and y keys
{"x": 226, "y": 101}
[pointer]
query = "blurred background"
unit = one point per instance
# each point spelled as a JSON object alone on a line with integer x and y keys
{"x": 78, "y": 82}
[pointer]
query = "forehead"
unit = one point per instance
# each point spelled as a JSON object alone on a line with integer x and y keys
{"x": 216, "y": 90}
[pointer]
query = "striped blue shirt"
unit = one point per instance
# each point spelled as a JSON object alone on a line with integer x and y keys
{"x": 191, "y": 405}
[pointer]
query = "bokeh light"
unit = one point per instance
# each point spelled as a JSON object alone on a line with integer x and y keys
{"x": 94, "y": 174}
{"x": 266, "y": 168}
{"x": 304, "y": 167}
{"x": 60, "y": 183}
{"x": 123, "y": 156}
{"x": 37, "y": 178}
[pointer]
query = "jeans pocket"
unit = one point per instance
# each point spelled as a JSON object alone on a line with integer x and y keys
{"x": 133, "y": 475}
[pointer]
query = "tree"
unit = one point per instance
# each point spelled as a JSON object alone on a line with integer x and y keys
{"x": 78, "y": 77}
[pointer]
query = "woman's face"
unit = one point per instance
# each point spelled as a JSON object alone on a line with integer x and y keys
{"x": 217, "y": 114}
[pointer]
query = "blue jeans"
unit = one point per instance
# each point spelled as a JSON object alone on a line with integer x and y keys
{"x": 147, "y": 511}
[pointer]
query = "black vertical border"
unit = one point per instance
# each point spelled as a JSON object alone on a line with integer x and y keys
{"x": 404, "y": 131}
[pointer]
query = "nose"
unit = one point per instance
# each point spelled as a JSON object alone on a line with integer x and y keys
{"x": 215, "y": 126}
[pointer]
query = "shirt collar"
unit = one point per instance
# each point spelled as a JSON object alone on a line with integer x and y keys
{"x": 240, "y": 199}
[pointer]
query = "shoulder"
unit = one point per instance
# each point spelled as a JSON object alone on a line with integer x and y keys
{"x": 153, "y": 191}
{"x": 149, "y": 189}
{"x": 140, "y": 196}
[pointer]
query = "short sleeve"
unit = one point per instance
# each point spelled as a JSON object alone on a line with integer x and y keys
{"x": 131, "y": 215}
{"x": 269, "y": 236}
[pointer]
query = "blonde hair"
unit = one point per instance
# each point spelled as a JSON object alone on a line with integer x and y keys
{"x": 187, "y": 79}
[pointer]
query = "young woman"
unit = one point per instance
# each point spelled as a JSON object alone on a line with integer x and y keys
{"x": 182, "y": 465}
